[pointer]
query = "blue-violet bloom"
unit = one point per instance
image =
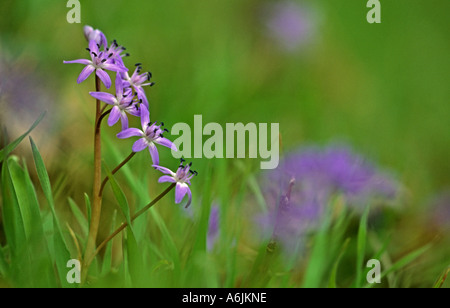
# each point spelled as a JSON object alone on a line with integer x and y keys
{"x": 122, "y": 103}
{"x": 137, "y": 81}
{"x": 98, "y": 63}
{"x": 150, "y": 134}
{"x": 182, "y": 178}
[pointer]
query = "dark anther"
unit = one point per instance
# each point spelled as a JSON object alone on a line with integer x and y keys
{"x": 166, "y": 130}
{"x": 138, "y": 64}
{"x": 110, "y": 55}
{"x": 190, "y": 164}
{"x": 104, "y": 60}
{"x": 98, "y": 45}
{"x": 182, "y": 160}
{"x": 127, "y": 54}
{"x": 88, "y": 49}
{"x": 161, "y": 135}
{"x": 94, "y": 54}
{"x": 195, "y": 172}
{"x": 162, "y": 123}
{"x": 151, "y": 84}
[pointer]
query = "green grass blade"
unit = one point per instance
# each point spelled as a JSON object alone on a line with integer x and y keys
{"x": 361, "y": 247}
{"x": 80, "y": 218}
{"x": 11, "y": 146}
{"x": 332, "y": 281}
{"x": 12, "y": 219}
{"x": 119, "y": 195}
{"x": 87, "y": 202}
{"x": 61, "y": 252}
{"x": 107, "y": 257}
{"x": 440, "y": 281}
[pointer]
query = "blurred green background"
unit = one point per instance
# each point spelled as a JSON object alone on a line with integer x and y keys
{"x": 383, "y": 88}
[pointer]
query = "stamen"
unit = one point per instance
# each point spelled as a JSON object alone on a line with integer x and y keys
{"x": 103, "y": 60}
{"x": 88, "y": 49}
{"x": 94, "y": 54}
{"x": 151, "y": 84}
{"x": 138, "y": 64}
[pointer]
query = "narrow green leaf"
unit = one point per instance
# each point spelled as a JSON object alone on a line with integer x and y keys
{"x": 332, "y": 281}
{"x": 10, "y": 147}
{"x": 61, "y": 252}
{"x": 440, "y": 281}
{"x": 87, "y": 202}
{"x": 80, "y": 218}
{"x": 12, "y": 218}
{"x": 107, "y": 257}
{"x": 361, "y": 247}
{"x": 119, "y": 195}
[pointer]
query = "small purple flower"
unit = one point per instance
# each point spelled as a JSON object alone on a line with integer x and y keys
{"x": 115, "y": 53}
{"x": 150, "y": 134}
{"x": 289, "y": 23}
{"x": 440, "y": 210}
{"x": 98, "y": 63}
{"x": 137, "y": 81}
{"x": 95, "y": 35}
{"x": 122, "y": 103}
{"x": 213, "y": 227}
{"x": 182, "y": 178}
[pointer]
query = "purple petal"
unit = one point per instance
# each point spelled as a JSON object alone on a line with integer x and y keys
{"x": 166, "y": 178}
{"x": 153, "y": 153}
{"x": 114, "y": 67}
{"x": 124, "y": 121}
{"x": 93, "y": 47}
{"x": 139, "y": 145}
{"x": 114, "y": 116}
{"x": 167, "y": 143}
{"x": 85, "y": 73}
{"x": 141, "y": 95}
{"x": 104, "y": 77}
{"x": 131, "y": 132}
{"x": 119, "y": 85}
{"x": 80, "y": 61}
{"x": 163, "y": 170}
{"x": 145, "y": 117}
{"x": 104, "y": 97}
{"x": 180, "y": 191}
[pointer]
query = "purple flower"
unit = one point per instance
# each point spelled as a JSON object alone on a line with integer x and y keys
{"x": 150, "y": 134}
{"x": 304, "y": 183}
{"x": 137, "y": 81}
{"x": 288, "y": 23}
{"x": 99, "y": 62}
{"x": 440, "y": 210}
{"x": 95, "y": 35}
{"x": 115, "y": 53}
{"x": 182, "y": 179}
{"x": 122, "y": 103}
{"x": 213, "y": 227}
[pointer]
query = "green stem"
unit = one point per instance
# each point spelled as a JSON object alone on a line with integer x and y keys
{"x": 97, "y": 200}
{"x": 105, "y": 180}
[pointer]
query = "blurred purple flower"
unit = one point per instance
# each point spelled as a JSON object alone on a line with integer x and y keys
{"x": 100, "y": 61}
{"x": 122, "y": 103}
{"x": 150, "y": 134}
{"x": 288, "y": 23}
{"x": 182, "y": 178}
{"x": 213, "y": 227}
{"x": 298, "y": 191}
{"x": 440, "y": 209}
